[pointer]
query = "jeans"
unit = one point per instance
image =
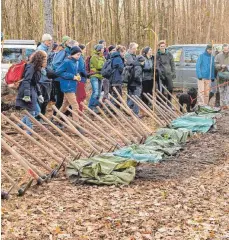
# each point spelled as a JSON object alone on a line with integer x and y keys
{"x": 134, "y": 91}
{"x": 26, "y": 119}
{"x": 96, "y": 92}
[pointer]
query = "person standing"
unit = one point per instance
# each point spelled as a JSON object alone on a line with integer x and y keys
{"x": 147, "y": 79}
{"x": 166, "y": 69}
{"x": 69, "y": 76}
{"x": 105, "y": 53}
{"x": 96, "y": 64}
{"x": 29, "y": 92}
{"x": 205, "y": 71}
{"x": 222, "y": 67}
{"x": 117, "y": 65}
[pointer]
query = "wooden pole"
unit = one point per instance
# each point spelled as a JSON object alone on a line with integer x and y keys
{"x": 87, "y": 141}
{"x": 175, "y": 101}
{"x": 129, "y": 111}
{"x": 138, "y": 126}
{"x": 46, "y": 143}
{"x": 124, "y": 139}
{"x": 65, "y": 136}
{"x": 126, "y": 120}
{"x": 57, "y": 159}
{"x": 43, "y": 128}
{"x": 95, "y": 127}
{"x": 26, "y": 151}
{"x": 21, "y": 161}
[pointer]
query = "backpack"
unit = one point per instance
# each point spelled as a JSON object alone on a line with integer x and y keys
{"x": 128, "y": 74}
{"x": 14, "y": 74}
{"x": 107, "y": 70}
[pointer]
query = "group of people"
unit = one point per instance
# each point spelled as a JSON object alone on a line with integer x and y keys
{"x": 212, "y": 70}
{"x": 60, "y": 75}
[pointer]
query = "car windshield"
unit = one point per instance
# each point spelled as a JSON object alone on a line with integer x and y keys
{"x": 191, "y": 54}
{"x": 15, "y": 55}
{"x": 176, "y": 52}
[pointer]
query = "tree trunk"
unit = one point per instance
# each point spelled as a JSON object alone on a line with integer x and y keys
{"x": 48, "y": 20}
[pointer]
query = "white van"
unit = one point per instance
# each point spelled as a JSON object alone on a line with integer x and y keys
{"x": 13, "y": 51}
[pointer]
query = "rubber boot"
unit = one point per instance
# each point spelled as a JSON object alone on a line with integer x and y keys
{"x": 211, "y": 94}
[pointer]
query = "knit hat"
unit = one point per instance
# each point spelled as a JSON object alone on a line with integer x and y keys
{"x": 111, "y": 47}
{"x": 101, "y": 41}
{"x": 54, "y": 46}
{"x": 65, "y": 39}
{"x": 75, "y": 50}
{"x": 209, "y": 46}
{"x": 145, "y": 50}
{"x": 46, "y": 37}
{"x": 82, "y": 46}
{"x": 98, "y": 47}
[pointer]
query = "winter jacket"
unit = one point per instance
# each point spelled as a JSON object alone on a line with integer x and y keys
{"x": 29, "y": 87}
{"x": 129, "y": 58}
{"x": 221, "y": 59}
{"x": 43, "y": 47}
{"x": 205, "y": 66}
{"x": 82, "y": 69}
{"x": 166, "y": 66}
{"x": 67, "y": 70}
{"x": 96, "y": 64}
{"x": 136, "y": 73}
{"x": 148, "y": 69}
{"x": 59, "y": 58}
{"x": 117, "y": 65}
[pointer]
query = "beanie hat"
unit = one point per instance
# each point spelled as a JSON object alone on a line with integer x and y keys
{"x": 209, "y": 46}
{"x": 82, "y": 46}
{"x": 145, "y": 50}
{"x": 65, "y": 39}
{"x": 75, "y": 50}
{"x": 101, "y": 41}
{"x": 46, "y": 37}
{"x": 54, "y": 46}
{"x": 111, "y": 47}
{"x": 98, "y": 47}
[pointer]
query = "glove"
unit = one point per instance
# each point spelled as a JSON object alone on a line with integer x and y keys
{"x": 40, "y": 99}
{"x": 200, "y": 78}
{"x": 77, "y": 78}
{"x": 26, "y": 99}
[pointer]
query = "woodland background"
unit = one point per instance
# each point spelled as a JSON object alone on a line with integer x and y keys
{"x": 118, "y": 21}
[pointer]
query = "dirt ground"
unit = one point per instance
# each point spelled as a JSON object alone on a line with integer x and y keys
{"x": 183, "y": 197}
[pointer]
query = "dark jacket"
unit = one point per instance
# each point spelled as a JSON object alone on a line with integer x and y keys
{"x": 137, "y": 72}
{"x": 166, "y": 66}
{"x": 29, "y": 87}
{"x": 117, "y": 65}
{"x": 67, "y": 70}
{"x": 148, "y": 69}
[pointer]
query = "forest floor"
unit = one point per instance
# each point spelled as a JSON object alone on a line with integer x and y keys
{"x": 185, "y": 197}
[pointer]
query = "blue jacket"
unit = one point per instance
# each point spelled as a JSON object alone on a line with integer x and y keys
{"x": 82, "y": 69}
{"x": 67, "y": 70}
{"x": 118, "y": 66}
{"x": 203, "y": 68}
{"x": 43, "y": 47}
{"x": 59, "y": 58}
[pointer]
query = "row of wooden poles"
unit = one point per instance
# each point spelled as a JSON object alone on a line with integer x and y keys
{"x": 104, "y": 134}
